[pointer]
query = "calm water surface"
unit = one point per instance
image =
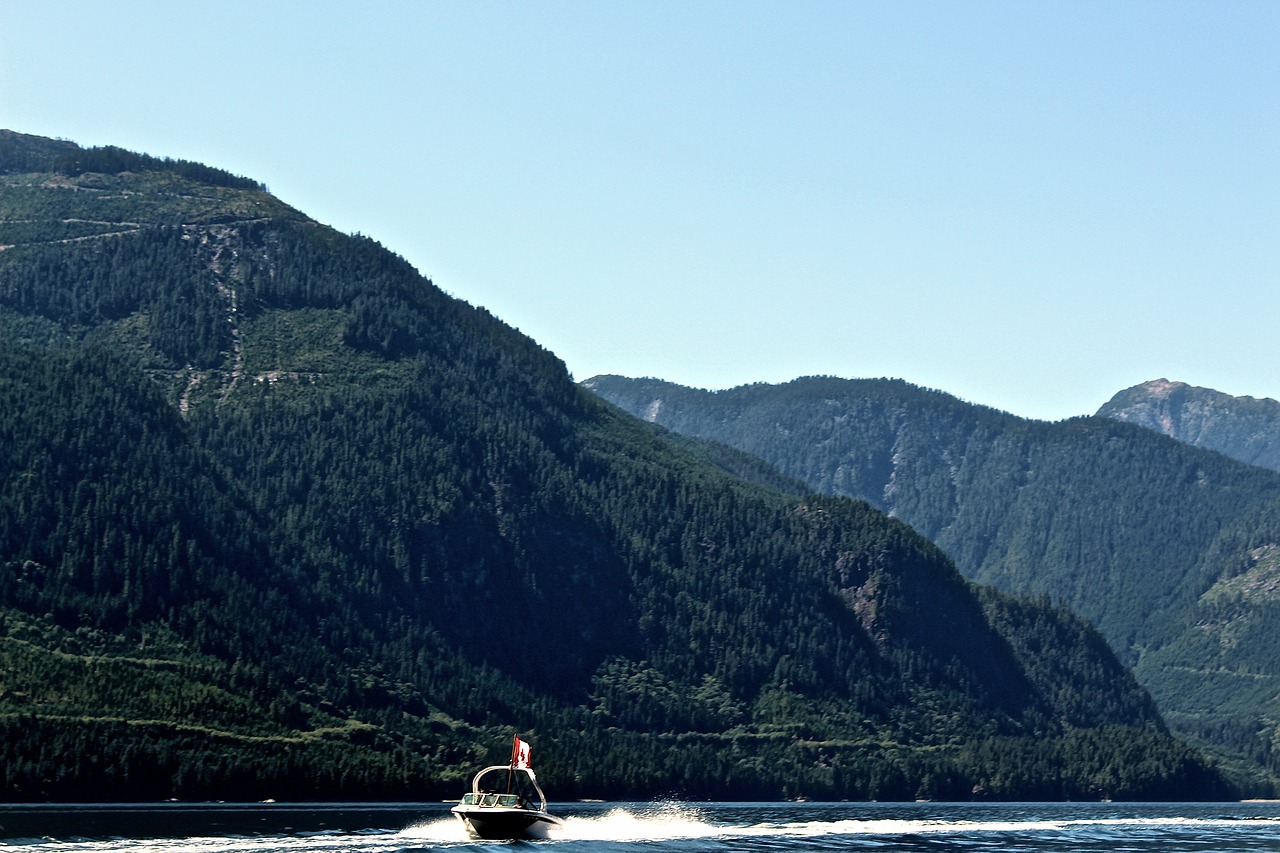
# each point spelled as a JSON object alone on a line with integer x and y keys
{"x": 653, "y": 828}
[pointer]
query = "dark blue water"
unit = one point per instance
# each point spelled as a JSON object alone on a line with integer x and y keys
{"x": 654, "y": 828}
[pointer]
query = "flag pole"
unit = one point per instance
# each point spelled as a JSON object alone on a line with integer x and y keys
{"x": 511, "y": 767}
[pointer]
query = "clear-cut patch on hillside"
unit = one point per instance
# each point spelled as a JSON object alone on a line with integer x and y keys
{"x": 1259, "y": 582}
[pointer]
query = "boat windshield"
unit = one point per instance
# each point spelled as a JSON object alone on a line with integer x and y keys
{"x": 509, "y": 801}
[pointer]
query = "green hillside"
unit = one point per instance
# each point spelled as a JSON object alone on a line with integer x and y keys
{"x": 1164, "y": 547}
{"x": 279, "y": 518}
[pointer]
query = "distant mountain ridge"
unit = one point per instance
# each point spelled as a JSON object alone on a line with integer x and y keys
{"x": 1244, "y": 428}
{"x": 280, "y": 518}
{"x": 1167, "y": 548}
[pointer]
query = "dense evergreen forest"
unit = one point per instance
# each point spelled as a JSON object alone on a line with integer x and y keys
{"x": 279, "y": 518}
{"x": 1168, "y": 549}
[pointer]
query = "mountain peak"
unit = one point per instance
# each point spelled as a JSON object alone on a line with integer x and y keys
{"x": 1162, "y": 387}
{"x": 23, "y": 152}
{"x": 1244, "y": 428}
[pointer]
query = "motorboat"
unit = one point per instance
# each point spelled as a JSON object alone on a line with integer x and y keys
{"x": 506, "y": 802}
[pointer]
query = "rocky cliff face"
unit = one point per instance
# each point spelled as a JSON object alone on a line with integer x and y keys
{"x": 1244, "y": 428}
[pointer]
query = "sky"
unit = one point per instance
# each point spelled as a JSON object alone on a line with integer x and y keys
{"x": 1029, "y": 205}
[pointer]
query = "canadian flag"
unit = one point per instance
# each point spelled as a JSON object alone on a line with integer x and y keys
{"x": 520, "y": 755}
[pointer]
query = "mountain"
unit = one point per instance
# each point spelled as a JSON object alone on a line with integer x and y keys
{"x": 1169, "y": 550}
{"x": 1244, "y": 428}
{"x": 280, "y": 518}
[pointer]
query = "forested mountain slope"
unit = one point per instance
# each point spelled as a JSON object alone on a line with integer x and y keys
{"x": 1170, "y": 550}
{"x": 1244, "y": 428}
{"x": 279, "y": 518}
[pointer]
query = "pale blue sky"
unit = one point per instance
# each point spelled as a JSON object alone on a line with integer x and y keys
{"x": 1030, "y": 205}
